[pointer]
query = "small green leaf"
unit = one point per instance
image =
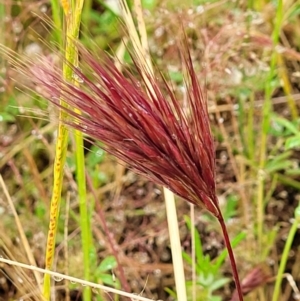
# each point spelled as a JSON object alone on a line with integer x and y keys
{"x": 294, "y": 12}
{"x": 292, "y": 142}
{"x": 171, "y": 292}
{"x": 280, "y": 124}
{"x": 95, "y": 156}
{"x": 292, "y": 172}
{"x": 279, "y": 162}
{"x": 198, "y": 243}
{"x": 107, "y": 264}
{"x": 231, "y": 207}
{"x": 276, "y": 166}
{"x": 206, "y": 280}
{"x": 4, "y": 116}
{"x": 218, "y": 283}
{"x": 107, "y": 279}
{"x": 187, "y": 257}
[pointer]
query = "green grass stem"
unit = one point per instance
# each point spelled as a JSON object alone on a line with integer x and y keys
{"x": 250, "y": 129}
{"x": 84, "y": 213}
{"x": 73, "y": 16}
{"x": 56, "y": 17}
{"x": 285, "y": 254}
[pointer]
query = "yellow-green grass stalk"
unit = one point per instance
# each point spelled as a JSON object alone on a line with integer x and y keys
{"x": 73, "y": 18}
{"x": 59, "y": 161}
{"x": 285, "y": 254}
{"x": 72, "y": 13}
{"x": 58, "y": 169}
{"x": 267, "y": 108}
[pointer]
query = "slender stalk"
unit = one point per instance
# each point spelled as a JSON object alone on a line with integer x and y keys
{"x": 285, "y": 254}
{"x": 84, "y": 214}
{"x": 66, "y": 253}
{"x": 79, "y": 281}
{"x": 21, "y": 230}
{"x": 58, "y": 172}
{"x": 56, "y": 17}
{"x": 175, "y": 245}
{"x": 59, "y": 161}
{"x": 193, "y": 252}
{"x": 231, "y": 257}
{"x": 250, "y": 129}
{"x": 73, "y": 19}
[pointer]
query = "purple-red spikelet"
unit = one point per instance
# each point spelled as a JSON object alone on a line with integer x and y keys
{"x": 145, "y": 127}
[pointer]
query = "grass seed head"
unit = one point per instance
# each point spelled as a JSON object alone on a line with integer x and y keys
{"x": 141, "y": 123}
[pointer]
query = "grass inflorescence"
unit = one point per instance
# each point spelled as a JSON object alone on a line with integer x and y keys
{"x": 234, "y": 76}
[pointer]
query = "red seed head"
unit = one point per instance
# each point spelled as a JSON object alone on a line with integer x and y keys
{"x": 145, "y": 127}
{"x": 258, "y": 276}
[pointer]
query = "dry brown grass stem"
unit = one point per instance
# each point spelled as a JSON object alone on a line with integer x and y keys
{"x": 21, "y": 231}
{"x": 60, "y": 276}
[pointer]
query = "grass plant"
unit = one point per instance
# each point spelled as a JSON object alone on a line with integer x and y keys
{"x": 146, "y": 117}
{"x": 158, "y": 129}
